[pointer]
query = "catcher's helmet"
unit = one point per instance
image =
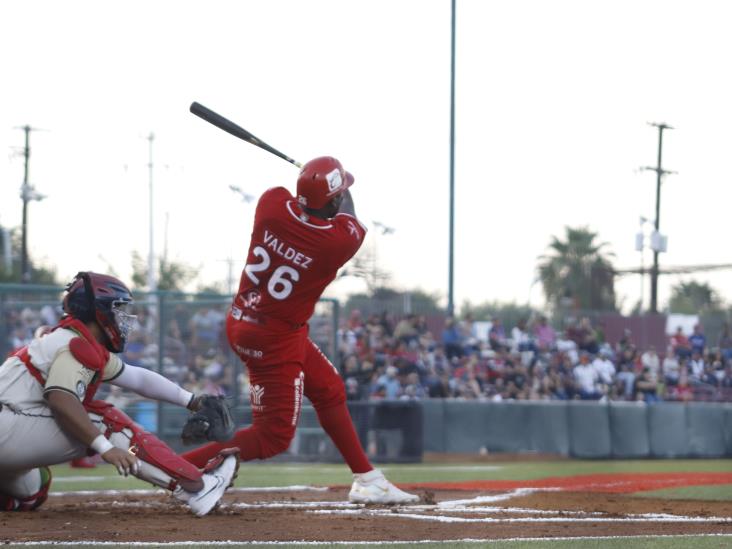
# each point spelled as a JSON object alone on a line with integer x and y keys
{"x": 104, "y": 300}
{"x": 320, "y": 180}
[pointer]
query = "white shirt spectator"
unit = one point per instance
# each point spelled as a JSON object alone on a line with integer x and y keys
{"x": 519, "y": 339}
{"x": 696, "y": 368}
{"x": 586, "y": 377}
{"x": 671, "y": 367}
{"x": 650, "y": 360}
{"x": 605, "y": 369}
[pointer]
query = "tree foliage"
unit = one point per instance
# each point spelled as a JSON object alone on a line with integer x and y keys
{"x": 509, "y": 313}
{"x": 577, "y": 273}
{"x": 693, "y": 298}
{"x": 39, "y": 274}
{"x": 393, "y": 302}
{"x": 172, "y": 275}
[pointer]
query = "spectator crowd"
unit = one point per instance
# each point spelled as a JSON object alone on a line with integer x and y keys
{"x": 382, "y": 357}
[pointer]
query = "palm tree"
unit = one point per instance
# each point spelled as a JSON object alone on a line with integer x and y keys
{"x": 578, "y": 273}
{"x": 693, "y": 297}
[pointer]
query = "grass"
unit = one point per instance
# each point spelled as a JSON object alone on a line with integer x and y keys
{"x": 105, "y": 477}
{"x": 280, "y": 474}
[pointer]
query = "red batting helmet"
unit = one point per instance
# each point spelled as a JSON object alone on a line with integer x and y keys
{"x": 103, "y": 299}
{"x": 320, "y": 180}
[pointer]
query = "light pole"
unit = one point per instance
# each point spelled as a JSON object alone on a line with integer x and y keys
{"x": 451, "y": 260}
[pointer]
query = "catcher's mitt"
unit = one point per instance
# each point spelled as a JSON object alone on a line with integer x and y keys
{"x": 211, "y": 420}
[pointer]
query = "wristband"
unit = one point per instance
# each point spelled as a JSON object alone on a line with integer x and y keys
{"x": 101, "y": 445}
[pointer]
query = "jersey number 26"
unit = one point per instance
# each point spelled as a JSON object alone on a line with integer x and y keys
{"x": 280, "y": 281}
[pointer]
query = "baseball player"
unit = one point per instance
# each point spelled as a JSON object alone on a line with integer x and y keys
{"x": 297, "y": 246}
{"x": 48, "y": 415}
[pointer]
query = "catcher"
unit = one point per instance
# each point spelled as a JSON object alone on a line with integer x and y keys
{"x": 48, "y": 414}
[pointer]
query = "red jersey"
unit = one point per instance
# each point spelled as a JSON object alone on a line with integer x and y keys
{"x": 292, "y": 258}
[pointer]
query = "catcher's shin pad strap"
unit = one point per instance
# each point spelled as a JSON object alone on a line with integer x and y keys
{"x": 31, "y": 502}
{"x": 146, "y": 446}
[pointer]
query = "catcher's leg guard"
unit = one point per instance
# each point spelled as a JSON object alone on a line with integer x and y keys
{"x": 160, "y": 465}
{"x": 33, "y": 501}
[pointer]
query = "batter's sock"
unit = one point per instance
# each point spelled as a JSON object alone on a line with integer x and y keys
{"x": 336, "y": 421}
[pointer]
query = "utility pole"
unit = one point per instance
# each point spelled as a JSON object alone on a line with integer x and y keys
{"x": 24, "y": 269}
{"x": 151, "y": 284}
{"x": 657, "y": 247}
{"x": 27, "y": 193}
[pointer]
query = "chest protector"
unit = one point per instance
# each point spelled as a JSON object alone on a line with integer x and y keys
{"x": 84, "y": 348}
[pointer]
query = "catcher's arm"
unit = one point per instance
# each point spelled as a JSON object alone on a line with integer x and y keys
{"x": 71, "y": 416}
{"x": 152, "y": 385}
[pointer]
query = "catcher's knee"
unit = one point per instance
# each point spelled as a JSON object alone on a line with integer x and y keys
{"x": 31, "y": 502}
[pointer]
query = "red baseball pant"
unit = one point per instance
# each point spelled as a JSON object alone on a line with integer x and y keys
{"x": 282, "y": 368}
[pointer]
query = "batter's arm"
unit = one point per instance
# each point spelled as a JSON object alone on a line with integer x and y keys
{"x": 74, "y": 421}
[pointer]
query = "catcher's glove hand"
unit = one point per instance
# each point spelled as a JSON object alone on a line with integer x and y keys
{"x": 211, "y": 420}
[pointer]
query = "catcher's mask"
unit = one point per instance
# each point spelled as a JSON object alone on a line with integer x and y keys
{"x": 104, "y": 300}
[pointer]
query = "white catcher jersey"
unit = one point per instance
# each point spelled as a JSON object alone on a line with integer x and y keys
{"x": 50, "y": 354}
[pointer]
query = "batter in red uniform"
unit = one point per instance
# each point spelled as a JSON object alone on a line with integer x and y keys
{"x": 297, "y": 246}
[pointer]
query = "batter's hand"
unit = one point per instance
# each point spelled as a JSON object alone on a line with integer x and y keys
{"x": 125, "y": 462}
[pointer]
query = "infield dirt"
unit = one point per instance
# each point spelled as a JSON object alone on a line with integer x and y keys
{"x": 524, "y": 509}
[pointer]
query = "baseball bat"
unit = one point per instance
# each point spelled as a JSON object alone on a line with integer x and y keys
{"x": 237, "y": 131}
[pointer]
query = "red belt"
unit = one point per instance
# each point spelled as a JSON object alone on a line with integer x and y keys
{"x": 265, "y": 321}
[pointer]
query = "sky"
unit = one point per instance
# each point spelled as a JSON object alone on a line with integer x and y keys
{"x": 553, "y": 101}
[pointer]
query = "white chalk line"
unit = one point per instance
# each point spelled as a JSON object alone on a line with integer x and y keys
{"x": 79, "y": 479}
{"x": 494, "y": 520}
{"x": 386, "y": 468}
{"x": 158, "y": 491}
{"x": 293, "y": 505}
{"x": 494, "y": 497}
{"x": 346, "y": 505}
{"x": 425, "y": 512}
{"x": 356, "y": 543}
